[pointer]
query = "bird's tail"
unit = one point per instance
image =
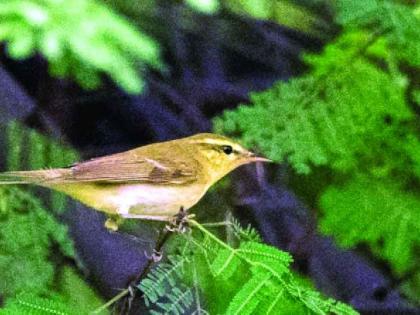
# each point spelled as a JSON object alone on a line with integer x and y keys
{"x": 30, "y": 177}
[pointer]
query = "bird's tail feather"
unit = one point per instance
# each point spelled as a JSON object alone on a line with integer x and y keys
{"x": 29, "y": 177}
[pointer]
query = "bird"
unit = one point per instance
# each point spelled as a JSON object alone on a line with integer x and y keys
{"x": 151, "y": 182}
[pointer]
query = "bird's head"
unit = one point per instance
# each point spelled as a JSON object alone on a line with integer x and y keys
{"x": 220, "y": 155}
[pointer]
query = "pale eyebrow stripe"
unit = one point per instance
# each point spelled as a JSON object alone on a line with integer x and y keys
{"x": 221, "y": 142}
{"x": 211, "y": 141}
{"x": 218, "y": 142}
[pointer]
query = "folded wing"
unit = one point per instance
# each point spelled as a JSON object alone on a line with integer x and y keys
{"x": 132, "y": 167}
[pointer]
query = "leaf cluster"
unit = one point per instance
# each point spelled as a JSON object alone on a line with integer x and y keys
{"x": 353, "y": 115}
{"x": 81, "y": 39}
{"x": 31, "y": 304}
{"x": 212, "y": 277}
{"x": 72, "y": 297}
{"x": 28, "y": 233}
{"x": 398, "y": 24}
{"x": 344, "y": 110}
{"x": 289, "y": 13}
{"x": 28, "y": 149}
{"x": 33, "y": 241}
{"x": 378, "y": 213}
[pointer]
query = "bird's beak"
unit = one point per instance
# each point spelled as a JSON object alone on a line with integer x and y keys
{"x": 252, "y": 157}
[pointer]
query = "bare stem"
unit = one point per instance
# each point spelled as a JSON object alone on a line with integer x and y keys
{"x": 111, "y": 301}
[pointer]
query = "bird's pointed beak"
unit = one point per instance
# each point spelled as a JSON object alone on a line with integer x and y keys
{"x": 252, "y": 157}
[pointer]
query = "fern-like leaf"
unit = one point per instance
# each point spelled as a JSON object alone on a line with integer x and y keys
{"x": 28, "y": 149}
{"x": 247, "y": 233}
{"x": 252, "y": 279}
{"x": 27, "y": 233}
{"x": 179, "y": 302}
{"x": 250, "y": 295}
{"x": 29, "y": 304}
{"x": 225, "y": 264}
{"x": 266, "y": 256}
{"x": 378, "y": 213}
{"x": 397, "y": 22}
{"x": 80, "y": 39}
{"x": 156, "y": 284}
{"x": 322, "y": 121}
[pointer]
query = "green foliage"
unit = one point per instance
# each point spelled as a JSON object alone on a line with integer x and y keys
{"x": 153, "y": 285}
{"x": 211, "y": 277}
{"x": 205, "y": 6}
{"x": 305, "y": 118}
{"x": 411, "y": 287}
{"x": 284, "y": 12}
{"x": 28, "y": 233}
{"x": 378, "y": 213}
{"x": 32, "y": 240}
{"x": 398, "y": 23}
{"x": 28, "y": 149}
{"x": 80, "y": 39}
{"x": 30, "y": 304}
{"x": 352, "y": 115}
{"x": 74, "y": 297}
{"x": 75, "y": 293}
{"x": 416, "y": 97}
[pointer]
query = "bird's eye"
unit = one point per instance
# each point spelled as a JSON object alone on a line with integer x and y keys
{"x": 227, "y": 149}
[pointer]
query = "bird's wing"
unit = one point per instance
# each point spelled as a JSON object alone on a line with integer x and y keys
{"x": 132, "y": 167}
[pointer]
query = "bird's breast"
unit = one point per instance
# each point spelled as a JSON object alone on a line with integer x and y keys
{"x": 147, "y": 199}
{"x": 155, "y": 200}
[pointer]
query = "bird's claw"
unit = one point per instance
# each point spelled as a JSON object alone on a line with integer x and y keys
{"x": 179, "y": 222}
{"x": 155, "y": 257}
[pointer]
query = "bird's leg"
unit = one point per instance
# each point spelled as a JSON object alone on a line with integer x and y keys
{"x": 162, "y": 238}
{"x": 131, "y": 296}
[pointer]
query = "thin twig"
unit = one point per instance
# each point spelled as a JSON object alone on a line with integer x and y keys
{"x": 161, "y": 240}
{"x": 218, "y": 224}
{"x": 163, "y": 237}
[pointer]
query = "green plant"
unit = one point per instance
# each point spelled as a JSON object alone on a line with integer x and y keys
{"x": 28, "y": 229}
{"x": 80, "y": 39}
{"x": 208, "y": 276}
{"x": 33, "y": 241}
{"x": 398, "y": 24}
{"x": 376, "y": 212}
{"x": 333, "y": 115}
{"x": 73, "y": 296}
{"x": 31, "y": 304}
{"x": 205, "y": 6}
{"x": 28, "y": 149}
{"x": 28, "y": 233}
{"x": 287, "y": 12}
{"x": 352, "y": 115}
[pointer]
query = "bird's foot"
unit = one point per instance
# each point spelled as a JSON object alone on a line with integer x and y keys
{"x": 155, "y": 257}
{"x": 179, "y": 222}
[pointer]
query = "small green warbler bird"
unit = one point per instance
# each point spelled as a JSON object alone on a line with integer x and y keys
{"x": 151, "y": 182}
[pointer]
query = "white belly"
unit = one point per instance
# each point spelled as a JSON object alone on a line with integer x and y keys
{"x": 152, "y": 200}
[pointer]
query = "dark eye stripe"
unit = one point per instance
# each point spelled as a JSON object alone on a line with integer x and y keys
{"x": 220, "y": 148}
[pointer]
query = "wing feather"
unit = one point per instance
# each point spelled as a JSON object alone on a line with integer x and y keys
{"x": 132, "y": 166}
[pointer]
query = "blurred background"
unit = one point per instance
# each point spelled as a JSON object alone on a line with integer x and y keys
{"x": 329, "y": 89}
